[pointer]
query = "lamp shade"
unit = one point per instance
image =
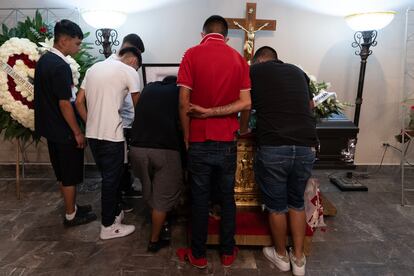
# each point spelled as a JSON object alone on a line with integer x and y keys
{"x": 369, "y": 21}
{"x": 101, "y": 19}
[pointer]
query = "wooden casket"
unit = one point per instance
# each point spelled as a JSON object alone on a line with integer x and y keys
{"x": 334, "y": 135}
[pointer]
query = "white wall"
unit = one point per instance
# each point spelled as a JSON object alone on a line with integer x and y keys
{"x": 319, "y": 42}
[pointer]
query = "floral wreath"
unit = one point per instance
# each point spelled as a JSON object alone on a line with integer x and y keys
{"x": 21, "y": 55}
{"x": 20, "y": 49}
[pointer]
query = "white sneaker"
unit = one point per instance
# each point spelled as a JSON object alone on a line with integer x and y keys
{"x": 119, "y": 218}
{"x": 116, "y": 230}
{"x": 281, "y": 262}
{"x": 298, "y": 266}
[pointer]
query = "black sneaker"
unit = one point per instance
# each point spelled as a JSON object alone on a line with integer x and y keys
{"x": 79, "y": 219}
{"x": 83, "y": 209}
{"x": 154, "y": 247}
{"x": 132, "y": 193}
{"x": 126, "y": 207}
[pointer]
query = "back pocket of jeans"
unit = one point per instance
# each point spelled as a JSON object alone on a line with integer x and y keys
{"x": 308, "y": 159}
{"x": 269, "y": 158}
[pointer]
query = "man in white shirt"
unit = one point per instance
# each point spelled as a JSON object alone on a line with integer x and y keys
{"x": 99, "y": 101}
{"x": 126, "y": 189}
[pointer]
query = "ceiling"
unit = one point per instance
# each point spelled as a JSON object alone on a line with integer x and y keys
{"x": 332, "y": 7}
{"x": 346, "y": 7}
{"x": 122, "y": 5}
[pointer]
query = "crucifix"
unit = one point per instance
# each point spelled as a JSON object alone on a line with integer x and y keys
{"x": 250, "y": 25}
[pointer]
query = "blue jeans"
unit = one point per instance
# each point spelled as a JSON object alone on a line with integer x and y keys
{"x": 205, "y": 160}
{"x": 109, "y": 158}
{"x": 282, "y": 173}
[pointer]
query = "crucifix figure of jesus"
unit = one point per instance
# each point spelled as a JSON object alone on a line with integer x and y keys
{"x": 250, "y": 25}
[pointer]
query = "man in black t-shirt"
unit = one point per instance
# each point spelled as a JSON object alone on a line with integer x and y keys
{"x": 156, "y": 142}
{"x": 56, "y": 121}
{"x": 286, "y": 140}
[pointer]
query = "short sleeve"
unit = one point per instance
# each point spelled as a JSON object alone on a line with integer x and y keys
{"x": 184, "y": 72}
{"x": 245, "y": 82}
{"x": 62, "y": 82}
{"x": 132, "y": 80}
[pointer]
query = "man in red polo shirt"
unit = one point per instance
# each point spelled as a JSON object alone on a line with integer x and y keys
{"x": 214, "y": 86}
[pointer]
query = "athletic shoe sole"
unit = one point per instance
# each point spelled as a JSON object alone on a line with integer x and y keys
{"x": 114, "y": 236}
{"x": 270, "y": 258}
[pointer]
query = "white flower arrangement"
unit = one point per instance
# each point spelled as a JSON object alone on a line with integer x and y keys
{"x": 74, "y": 67}
{"x": 19, "y": 111}
{"x": 330, "y": 104}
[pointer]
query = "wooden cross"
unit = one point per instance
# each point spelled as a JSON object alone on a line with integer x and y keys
{"x": 250, "y": 25}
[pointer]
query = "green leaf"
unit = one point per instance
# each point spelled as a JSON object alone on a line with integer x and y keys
{"x": 5, "y": 30}
{"x": 12, "y": 33}
{"x": 9, "y": 133}
{"x": 38, "y": 20}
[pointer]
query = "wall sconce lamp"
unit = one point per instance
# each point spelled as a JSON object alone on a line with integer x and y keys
{"x": 105, "y": 21}
{"x": 365, "y": 26}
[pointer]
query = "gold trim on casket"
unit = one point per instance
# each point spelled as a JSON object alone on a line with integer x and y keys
{"x": 246, "y": 190}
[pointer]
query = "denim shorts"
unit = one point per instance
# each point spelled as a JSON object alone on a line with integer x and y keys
{"x": 282, "y": 173}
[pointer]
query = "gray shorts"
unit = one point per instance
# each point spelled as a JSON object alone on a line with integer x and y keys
{"x": 160, "y": 173}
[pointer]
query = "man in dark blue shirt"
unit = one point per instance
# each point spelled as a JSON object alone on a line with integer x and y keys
{"x": 56, "y": 121}
{"x": 286, "y": 140}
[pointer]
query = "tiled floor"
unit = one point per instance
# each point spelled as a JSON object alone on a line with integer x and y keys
{"x": 371, "y": 235}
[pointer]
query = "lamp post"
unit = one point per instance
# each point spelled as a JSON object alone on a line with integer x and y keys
{"x": 366, "y": 26}
{"x": 105, "y": 21}
{"x": 364, "y": 40}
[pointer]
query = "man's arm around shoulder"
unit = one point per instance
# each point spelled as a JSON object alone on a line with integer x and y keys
{"x": 244, "y": 102}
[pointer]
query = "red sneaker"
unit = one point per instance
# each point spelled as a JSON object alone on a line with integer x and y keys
{"x": 186, "y": 254}
{"x": 228, "y": 260}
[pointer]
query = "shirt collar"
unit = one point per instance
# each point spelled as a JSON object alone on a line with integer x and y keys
{"x": 212, "y": 37}
{"x": 59, "y": 54}
{"x": 114, "y": 57}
